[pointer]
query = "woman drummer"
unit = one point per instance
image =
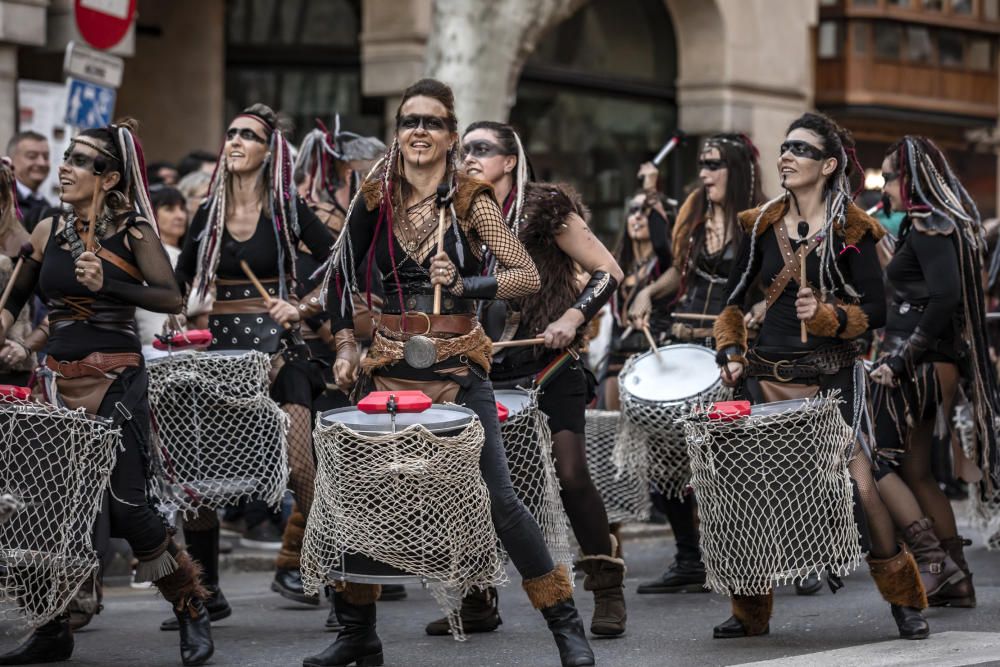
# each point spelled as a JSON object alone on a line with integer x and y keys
{"x": 706, "y": 239}
{"x": 93, "y": 265}
{"x": 252, "y": 216}
{"x": 934, "y": 339}
{"x": 643, "y": 255}
{"x": 842, "y": 300}
{"x": 549, "y": 219}
{"x": 395, "y": 221}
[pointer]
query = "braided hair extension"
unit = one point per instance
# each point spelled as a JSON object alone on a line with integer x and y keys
{"x": 323, "y": 154}
{"x": 928, "y": 185}
{"x": 276, "y": 177}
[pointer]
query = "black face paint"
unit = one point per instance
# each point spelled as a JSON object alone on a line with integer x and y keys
{"x": 96, "y": 164}
{"x": 429, "y": 123}
{"x": 886, "y": 205}
{"x": 801, "y": 149}
{"x": 245, "y": 133}
{"x": 482, "y": 149}
{"x": 711, "y": 165}
{"x": 890, "y": 176}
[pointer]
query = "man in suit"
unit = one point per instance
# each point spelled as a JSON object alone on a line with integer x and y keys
{"x": 29, "y": 152}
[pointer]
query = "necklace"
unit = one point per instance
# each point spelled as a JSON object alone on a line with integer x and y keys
{"x": 70, "y": 235}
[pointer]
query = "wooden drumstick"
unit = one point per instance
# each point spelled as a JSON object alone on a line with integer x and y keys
{"x": 694, "y": 316}
{"x": 803, "y": 246}
{"x": 652, "y": 343}
{"x": 26, "y": 250}
{"x": 518, "y": 343}
{"x": 442, "y": 202}
{"x": 260, "y": 288}
{"x": 88, "y": 243}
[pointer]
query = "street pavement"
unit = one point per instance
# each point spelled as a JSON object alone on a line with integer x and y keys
{"x": 853, "y": 627}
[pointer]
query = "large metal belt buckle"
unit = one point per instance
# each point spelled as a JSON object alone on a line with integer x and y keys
{"x": 419, "y": 350}
{"x": 776, "y": 370}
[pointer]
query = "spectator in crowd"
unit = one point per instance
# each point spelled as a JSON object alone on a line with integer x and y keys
{"x": 162, "y": 172}
{"x": 170, "y": 209}
{"x": 197, "y": 161}
{"x": 29, "y": 153}
{"x": 194, "y": 187}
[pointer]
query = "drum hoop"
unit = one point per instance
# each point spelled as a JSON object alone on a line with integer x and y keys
{"x": 634, "y": 360}
{"x": 440, "y": 427}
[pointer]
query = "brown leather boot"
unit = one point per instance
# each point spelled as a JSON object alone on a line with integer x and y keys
{"x": 937, "y": 569}
{"x": 479, "y": 612}
{"x": 961, "y": 593}
{"x": 898, "y": 580}
{"x": 751, "y": 617}
{"x": 605, "y": 577}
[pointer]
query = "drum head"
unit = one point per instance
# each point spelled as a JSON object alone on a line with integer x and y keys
{"x": 681, "y": 372}
{"x": 515, "y": 400}
{"x": 776, "y": 408}
{"x": 437, "y": 419}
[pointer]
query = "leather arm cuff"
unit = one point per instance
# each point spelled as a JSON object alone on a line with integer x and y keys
{"x": 730, "y": 353}
{"x": 346, "y": 346}
{"x": 597, "y": 293}
{"x": 479, "y": 287}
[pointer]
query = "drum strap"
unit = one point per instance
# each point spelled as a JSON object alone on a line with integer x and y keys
{"x": 555, "y": 367}
{"x": 790, "y": 271}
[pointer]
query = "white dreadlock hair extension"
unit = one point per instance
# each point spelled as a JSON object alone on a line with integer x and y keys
{"x": 210, "y": 241}
{"x": 134, "y": 174}
{"x": 838, "y": 199}
{"x": 520, "y": 181}
{"x": 753, "y": 246}
{"x": 308, "y": 160}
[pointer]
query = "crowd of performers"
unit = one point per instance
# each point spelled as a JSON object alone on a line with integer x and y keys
{"x": 352, "y": 261}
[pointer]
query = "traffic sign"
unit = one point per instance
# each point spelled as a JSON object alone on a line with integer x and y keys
{"x": 103, "y": 23}
{"x": 88, "y": 105}
{"x": 95, "y": 66}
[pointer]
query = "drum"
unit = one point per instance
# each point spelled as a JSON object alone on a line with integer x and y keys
{"x": 528, "y": 444}
{"x": 774, "y": 494}
{"x": 399, "y": 502}
{"x": 657, "y": 389}
{"x": 623, "y": 484}
{"x": 218, "y": 438}
{"x": 55, "y": 465}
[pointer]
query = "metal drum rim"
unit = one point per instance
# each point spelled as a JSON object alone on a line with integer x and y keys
{"x": 469, "y": 417}
{"x": 630, "y": 364}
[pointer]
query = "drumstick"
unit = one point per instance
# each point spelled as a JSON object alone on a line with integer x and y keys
{"x": 652, "y": 343}
{"x": 442, "y": 197}
{"x": 694, "y": 316}
{"x": 803, "y": 233}
{"x": 260, "y": 288}
{"x": 89, "y": 240}
{"x": 518, "y": 343}
{"x": 26, "y": 250}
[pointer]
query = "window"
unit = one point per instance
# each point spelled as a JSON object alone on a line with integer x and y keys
{"x": 888, "y": 40}
{"x": 918, "y": 45}
{"x": 829, "y": 42}
{"x": 861, "y": 35}
{"x": 865, "y": 3}
{"x": 932, "y": 5}
{"x": 991, "y": 10}
{"x": 961, "y": 7}
{"x": 899, "y": 3}
{"x": 980, "y": 54}
{"x": 951, "y": 49}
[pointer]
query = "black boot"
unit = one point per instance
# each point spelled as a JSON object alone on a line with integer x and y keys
{"x": 393, "y": 592}
{"x": 480, "y": 612}
{"x": 567, "y": 629}
{"x": 288, "y": 584}
{"x": 910, "y": 622}
{"x": 810, "y": 585}
{"x": 357, "y": 643}
{"x": 52, "y": 642}
{"x": 196, "y": 632}
{"x": 683, "y": 576}
{"x": 751, "y": 617}
{"x": 216, "y": 604}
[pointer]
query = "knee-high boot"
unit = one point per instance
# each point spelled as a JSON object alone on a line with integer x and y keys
{"x": 357, "y": 643}
{"x": 203, "y": 547}
{"x": 898, "y": 580}
{"x": 183, "y": 589}
{"x": 287, "y": 576}
{"x": 961, "y": 593}
{"x": 51, "y": 642}
{"x": 605, "y": 577}
{"x": 552, "y": 594}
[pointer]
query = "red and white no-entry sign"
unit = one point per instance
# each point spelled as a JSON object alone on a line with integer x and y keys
{"x": 103, "y": 23}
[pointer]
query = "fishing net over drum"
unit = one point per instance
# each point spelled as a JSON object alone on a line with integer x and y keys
{"x": 218, "y": 437}
{"x": 413, "y": 499}
{"x": 984, "y": 502}
{"x": 624, "y": 486}
{"x": 528, "y": 443}
{"x": 774, "y": 494}
{"x": 54, "y": 468}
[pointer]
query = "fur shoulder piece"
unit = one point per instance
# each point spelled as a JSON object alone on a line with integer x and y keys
{"x": 932, "y": 223}
{"x": 371, "y": 190}
{"x": 857, "y": 223}
{"x": 773, "y": 214}
{"x": 546, "y": 206}
{"x": 466, "y": 190}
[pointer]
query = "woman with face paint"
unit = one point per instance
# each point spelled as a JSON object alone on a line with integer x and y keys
{"x": 252, "y": 215}
{"x": 934, "y": 340}
{"x": 842, "y": 300}
{"x": 706, "y": 239}
{"x": 394, "y": 222}
{"x": 549, "y": 219}
{"x": 93, "y": 264}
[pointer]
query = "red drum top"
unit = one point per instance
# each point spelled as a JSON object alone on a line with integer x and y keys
{"x": 680, "y": 372}
{"x": 185, "y": 340}
{"x": 437, "y": 419}
{"x": 10, "y": 393}
{"x": 377, "y": 402}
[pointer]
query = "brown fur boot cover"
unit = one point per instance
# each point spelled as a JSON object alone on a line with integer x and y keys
{"x": 359, "y": 594}
{"x": 289, "y": 558}
{"x": 549, "y": 589}
{"x": 753, "y": 612}
{"x": 898, "y": 580}
{"x": 183, "y": 584}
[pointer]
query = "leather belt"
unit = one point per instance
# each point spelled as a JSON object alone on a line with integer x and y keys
{"x": 450, "y": 305}
{"x": 421, "y": 324}
{"x": 95, "y": 364}
{"x": 825, "y": 361}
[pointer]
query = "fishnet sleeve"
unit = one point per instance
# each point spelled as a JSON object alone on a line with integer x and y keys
{"x": 516, "y": 274}
{"x": 159, "y": 293}
{"x": 27, "y": 277}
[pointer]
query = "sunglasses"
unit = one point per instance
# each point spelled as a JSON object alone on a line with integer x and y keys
{"x": 429, "y": 123}
{"x": 482, "y": 149}
{"x": 890, "y": 176}
{"x": 711, "y": 165}
{"x": 244, "y": 133}
{"x": 95, "y": 163}
{"x": 801, "y": 149}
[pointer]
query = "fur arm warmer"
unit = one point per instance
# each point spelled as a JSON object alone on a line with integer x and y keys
{"x": 729, "y": 330}
{"x": 846, "y": 321}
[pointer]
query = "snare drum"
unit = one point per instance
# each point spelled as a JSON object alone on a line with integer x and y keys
{"x": 400, "y": 500}
{"x": 527, "y": 442}
{"x": 218, "y": 437}
{"x": 657, "y": 390}
{"x": 774, "y": 493}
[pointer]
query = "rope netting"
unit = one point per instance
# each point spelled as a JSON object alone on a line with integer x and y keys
{"x": 774, "y": 494}
{"x": 413, "y": 499}
{"x": 984, "y": 504}
{"x": 54, "y": 467}
{"x": 623, "y": 485}
{"x": 218, "y": 437}
{"x": 527, "y": 441}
